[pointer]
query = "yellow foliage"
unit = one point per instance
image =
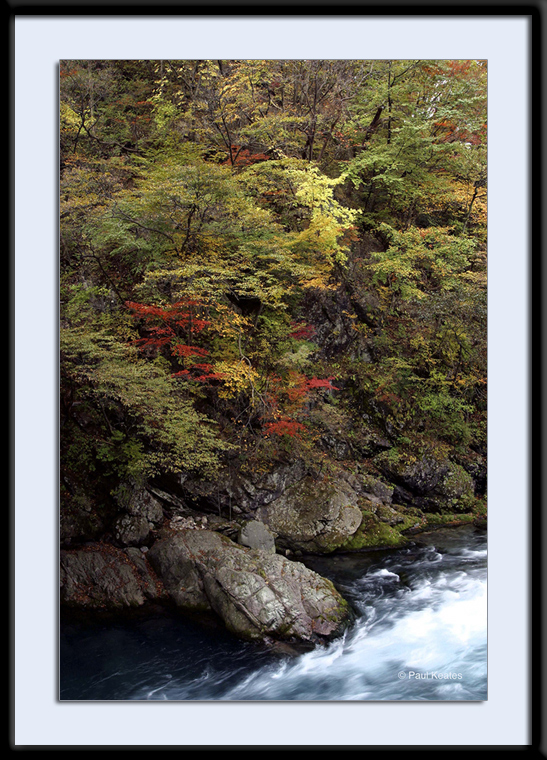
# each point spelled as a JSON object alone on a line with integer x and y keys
{"x": 229, "y": 324}
{"x": 69, "y": 119}
{"x": 237, "y": 376}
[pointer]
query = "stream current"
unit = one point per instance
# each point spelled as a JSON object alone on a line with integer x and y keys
{"x": 420, "y": 633}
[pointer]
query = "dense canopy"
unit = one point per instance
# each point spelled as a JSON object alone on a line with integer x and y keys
{"x": 264, "y": 260}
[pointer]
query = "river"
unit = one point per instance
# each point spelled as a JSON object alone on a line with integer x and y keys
{"x": 420, "y": 634}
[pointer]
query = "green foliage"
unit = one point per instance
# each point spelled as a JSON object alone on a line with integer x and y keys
{"x": 420, "y": 262}
{"x": 147, "y": 426}
{"x": 423, "y": 154}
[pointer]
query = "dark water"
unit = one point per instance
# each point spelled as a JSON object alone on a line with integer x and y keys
{"x": 420, "y": 634}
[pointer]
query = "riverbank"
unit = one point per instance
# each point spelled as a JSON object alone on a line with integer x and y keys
{"x": 233, "y": 572}
{"x": 420, "y": 609}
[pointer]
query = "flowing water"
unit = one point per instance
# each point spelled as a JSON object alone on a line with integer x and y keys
{"x": 420, "y": 634}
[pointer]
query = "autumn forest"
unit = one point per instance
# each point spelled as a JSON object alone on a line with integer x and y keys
{"x": 272, "y": 273}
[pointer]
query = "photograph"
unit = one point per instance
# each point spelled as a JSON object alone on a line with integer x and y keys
{"x": 272, "y": 391}
{"x": 273, "y": 379}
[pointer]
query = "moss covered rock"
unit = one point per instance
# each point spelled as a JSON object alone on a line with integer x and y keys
{"x": 315, "y": 516}
{"x": 430, "y": 483}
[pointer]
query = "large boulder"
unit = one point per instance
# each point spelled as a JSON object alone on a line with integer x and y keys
{"x": 128, "y": 517}
{"x": 476, "y": 465}
{"x": 315, "y": 516}
{"x": 131, "y": 531}
{"x": 368, "y": 487}
{"x": 101, "y": 577}
{"x": 140, "y": 503}
{"x": 142, "y": 512}
{"x": 258, "y": 595}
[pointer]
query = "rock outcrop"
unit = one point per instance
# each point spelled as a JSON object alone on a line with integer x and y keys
{"x": 243, "y": 491}
{"x": 101, "y": 577}
{"x": 430, "y": 484}
{"x": 156, "y": 545}
{"x": 256, "y": 535}
{"x": 258, "y": 594}
{"x": 315, "y": 516}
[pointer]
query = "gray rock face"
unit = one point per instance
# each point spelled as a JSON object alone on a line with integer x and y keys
{"x": 139, "y": 502}
{"x": 370, "y": 488}
{"x": 327, "y": 312}
{"x": 258, "y": 595}
{"x": 313, "y": 516}
{"x": 339, "y": 449}
{"x": 81, "y": 520}
{"x": 428, "y": 484}
{"x": 476, "y": 466}
{"x": 149, "y": 584}
{"x": 178, "y": 570}
{"x": 100, "y": 579}
{"x": 240, "y": 492}
{"x": 131, "y": 531}
{"x": 142, "y": 504}
{"x": 256, "y": 535}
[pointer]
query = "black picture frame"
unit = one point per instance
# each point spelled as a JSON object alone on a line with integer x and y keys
{"x": 24, "y": 731}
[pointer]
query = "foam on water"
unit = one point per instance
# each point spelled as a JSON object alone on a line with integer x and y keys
{"x": 437, "y": 639}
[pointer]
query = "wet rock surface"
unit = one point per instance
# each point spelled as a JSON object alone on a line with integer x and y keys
{"x": 258, "y": 594}
{"x": 104, "y": 578}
